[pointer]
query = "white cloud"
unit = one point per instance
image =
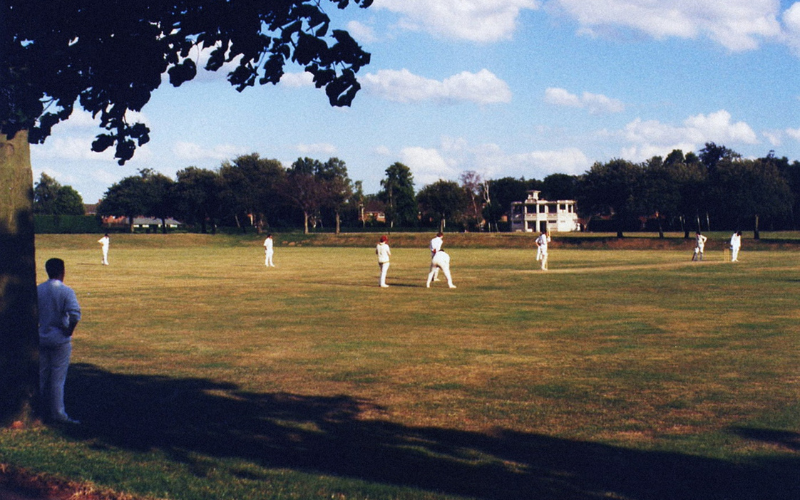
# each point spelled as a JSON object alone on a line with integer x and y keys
{"x": 717, "y": 127}
{"x": 482, "y": 87}
{"x": 296, "y": 80}
{"x": 316, "y": 149}
{"x": 427, "y": 165}
{"x": 455, "y": 155}
{"x": 361, "y": 32}
{"x": 195, "y": 152}
{"x": 596, "y": 103}
{"x": 651, "y": 137}
{"x": 794, "y": 133}
{"x": 791, "y": 24}
{"x": 775, "y": 138}
{"x": 383, "y": 151}
{"x": 493, "y": 162}
{"x": 561, "y": 97}
{"x": 474, "y": 20}
{"x": 738, "y": 25}
{"x": 70, "y": 148}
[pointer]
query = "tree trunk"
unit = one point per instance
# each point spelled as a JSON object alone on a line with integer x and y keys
{"x": 305, "y": 222}
{"x": 338, "y": 223}
{"x": 756, "y": 232}
{"x": 19, "y": 336}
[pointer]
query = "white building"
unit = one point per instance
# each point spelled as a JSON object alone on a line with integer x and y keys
{"x": 535, "y": 215}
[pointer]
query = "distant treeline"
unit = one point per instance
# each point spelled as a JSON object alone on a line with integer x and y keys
{"x": 713, "y": 190}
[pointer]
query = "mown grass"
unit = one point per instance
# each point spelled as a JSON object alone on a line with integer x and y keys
{"x": 200, "y": 374}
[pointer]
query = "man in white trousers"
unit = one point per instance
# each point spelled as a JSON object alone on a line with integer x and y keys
{"x": 105, "y": 241}
{"x": 541, "y": 249}
{"x": 435, "y": 246}
{"x": 268, "y": 251}
{"x": 736, "y": 245}
{"x": 384, "y": 252}
{"x": 440, "y": 261}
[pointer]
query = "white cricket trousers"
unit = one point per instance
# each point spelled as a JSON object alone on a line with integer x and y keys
{"x": 384, "y": 269}
{"x": 440, "y": 261}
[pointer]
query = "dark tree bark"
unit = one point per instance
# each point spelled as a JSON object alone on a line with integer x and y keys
{"x": 19, "y": 356}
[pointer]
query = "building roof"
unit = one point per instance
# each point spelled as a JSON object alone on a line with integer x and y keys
{"x": 151, "y": 221}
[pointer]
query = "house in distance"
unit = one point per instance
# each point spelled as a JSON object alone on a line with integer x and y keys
{"x": 537, "y": 215}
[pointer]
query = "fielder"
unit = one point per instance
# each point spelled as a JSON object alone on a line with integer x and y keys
{"x": 384, "y": 252}
{"x": 736, "y": 245}
{"x": 440, "y": 261}
{"x": 268, "y": 251}
{"x": 436, "y": 246}
{"x": 105, "y": 240}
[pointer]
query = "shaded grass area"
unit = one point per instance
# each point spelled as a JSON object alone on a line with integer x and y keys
{"x": 192, "y": 433}
{"x": 200, "y": 374}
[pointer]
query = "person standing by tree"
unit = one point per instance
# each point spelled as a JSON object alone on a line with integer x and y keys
{"x": 384, "y": 252}
{"x": 105, "y": 241}
{"x": 73, "y": 56}
{"x": 700, "y": 246}
{"x": 541, "y": 249}
{"x": 736, "y": 245}
{"x": 268, "y": 251}
{"x": 59, "y": 314}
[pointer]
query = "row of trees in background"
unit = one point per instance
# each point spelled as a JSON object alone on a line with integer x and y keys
{"x": 247, "y": 192}
{"x": 714, "y": 189}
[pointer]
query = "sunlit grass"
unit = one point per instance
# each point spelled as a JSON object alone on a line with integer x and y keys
{"x": 634, "y": 349}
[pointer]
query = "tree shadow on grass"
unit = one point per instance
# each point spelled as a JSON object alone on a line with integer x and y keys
{"x": 324, "y": 435}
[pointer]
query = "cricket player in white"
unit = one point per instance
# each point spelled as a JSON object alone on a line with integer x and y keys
{"x": 700, "y": 246}
{"x": 384, "y": 252}
{"x": 105, "y": 241}
{"x": 440, "y": 261}
{"x": 541, "y": 249}
{"x": 268, "y": 251}
{"x": 736, "y": 245}
{"x": 435, "y": 246}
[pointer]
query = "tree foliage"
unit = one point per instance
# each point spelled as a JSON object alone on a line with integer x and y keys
{"x": 51, "y": 198}
{"x": 197, "y": 197}
{"x": 472, "y": 183}
{"x": 397, "y": 193}
{"x": 127, "y": 198}
{"x": 443, "y": 201}
{"x": 337, "y": 188}
{"x": 109, "y": 58}
{"x": 304, "y": 191}
{"x": 612, "y": 188}
{"x": 251, "y": 189}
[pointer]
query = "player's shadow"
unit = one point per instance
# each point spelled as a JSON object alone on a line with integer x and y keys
{"x": 188, "y": 418}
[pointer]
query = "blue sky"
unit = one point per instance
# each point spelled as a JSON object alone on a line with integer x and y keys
{"x": 521, "y": 88}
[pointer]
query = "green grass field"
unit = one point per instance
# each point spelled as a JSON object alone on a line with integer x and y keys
{"x": 631, "y": 374}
